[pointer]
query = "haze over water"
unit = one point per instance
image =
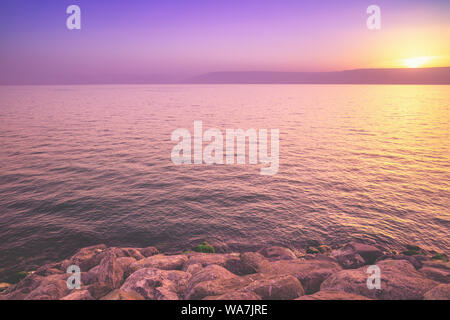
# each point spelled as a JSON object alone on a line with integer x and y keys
{"x": 91, "y": 164}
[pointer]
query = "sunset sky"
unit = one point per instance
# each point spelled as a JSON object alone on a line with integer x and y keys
{"x": 188, "y": 37}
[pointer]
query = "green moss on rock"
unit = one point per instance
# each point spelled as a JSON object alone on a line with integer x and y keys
{"x": 440, "y": 256}
{"x": 205, "y": 247}
{"x": 312, "y": 250}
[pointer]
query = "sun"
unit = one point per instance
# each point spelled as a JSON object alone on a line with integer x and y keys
{"x": 416, "y": 62}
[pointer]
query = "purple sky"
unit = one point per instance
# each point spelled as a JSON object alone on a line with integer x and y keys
{"x": 134, "y": 38}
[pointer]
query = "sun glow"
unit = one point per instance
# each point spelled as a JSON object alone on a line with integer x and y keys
{"x": 416, "y": 62}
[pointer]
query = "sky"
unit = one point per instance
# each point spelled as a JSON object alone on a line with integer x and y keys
{"x": 181, "y": 38}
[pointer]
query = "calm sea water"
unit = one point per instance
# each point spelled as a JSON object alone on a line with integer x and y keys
{"x": 82, "y": 165}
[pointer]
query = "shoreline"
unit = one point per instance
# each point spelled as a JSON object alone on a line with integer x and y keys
{"x": 271, "y": 273}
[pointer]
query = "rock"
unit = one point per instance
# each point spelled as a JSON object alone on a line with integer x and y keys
{"x": 125, "y": 264}
{"x": 399, "y": 281}
{"x": 216, "y": 287}
{"x": 348, "y": 259}
{"x": 310, "y": 273}
{"x": 122, "y": 295}
{"x": 236, "y": 266}
{"x": 78, "y": 295}
{"x": 236, "y": 295}
{"x": 109, "y": 271}
{"x": 277, "y": 253}
{"x": 436, "y": 274}
{"x": 161, "y": 261}
{"x": 23, "y": 288}
{"x": 324, "y": 249}
{"x": 437, "y": 264}
{"x": 86, "y": 258}
{"x": 98, "y": 290}
{"x": 129, "y": 252}
{"x": 253, "y": 261}
{"x": 355, "y": 255}
{"x": 417, "y": 263}
{"x": 440, "y": 292}
{"x": 277, "y": 288}
{"x": 312, "y": 250}
{"x": 210, "y": 282}
{"x": 156, "y": 284}
{"x": 49, "y": 269}
{"x": 206, "y": 259}
{"x": 36, "y": 287}
{"x": 333, "y": 295}
{"x": 51, "y": 287}
{"x": 193, "y": 268}
{"x": 90, "y": 277}
{"x": 149, "y": 251}
{"x": 368, "y": 252}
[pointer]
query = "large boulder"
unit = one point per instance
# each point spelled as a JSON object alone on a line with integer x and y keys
{"x": 206, "y": 259}
{"x": 36, "y": 287}
{"x": 355, "y": 255}
{"x": 156, "y": 284}
{"x": 416, "y": 261}
{"x": 333, "y": 295}
{"x": 440, "y": 292}
{"x": 49, "y": 269}
{"x": 284, "y": 287}
{"x": 149, "y": 251}
{"x": 211, "y": 281}
{"x": 160, "y": 261}
{"x": 310, "y": 273}
{"x": 129, "y": 252}
{"x": 86, "y": 258}
{"x": 125, "y": 264}
{"x": 399, "y": 281}
{"x": 436, "y": 274}
{"x": 109, "y": 271}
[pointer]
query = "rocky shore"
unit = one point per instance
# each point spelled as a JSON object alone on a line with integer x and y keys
{"x": 272, "y": 273}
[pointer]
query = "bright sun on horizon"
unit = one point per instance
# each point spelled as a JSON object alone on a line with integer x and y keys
{"x": 416, "y": 62}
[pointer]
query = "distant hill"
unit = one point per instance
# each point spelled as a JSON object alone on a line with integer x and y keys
{"x": 358, "y": 76}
